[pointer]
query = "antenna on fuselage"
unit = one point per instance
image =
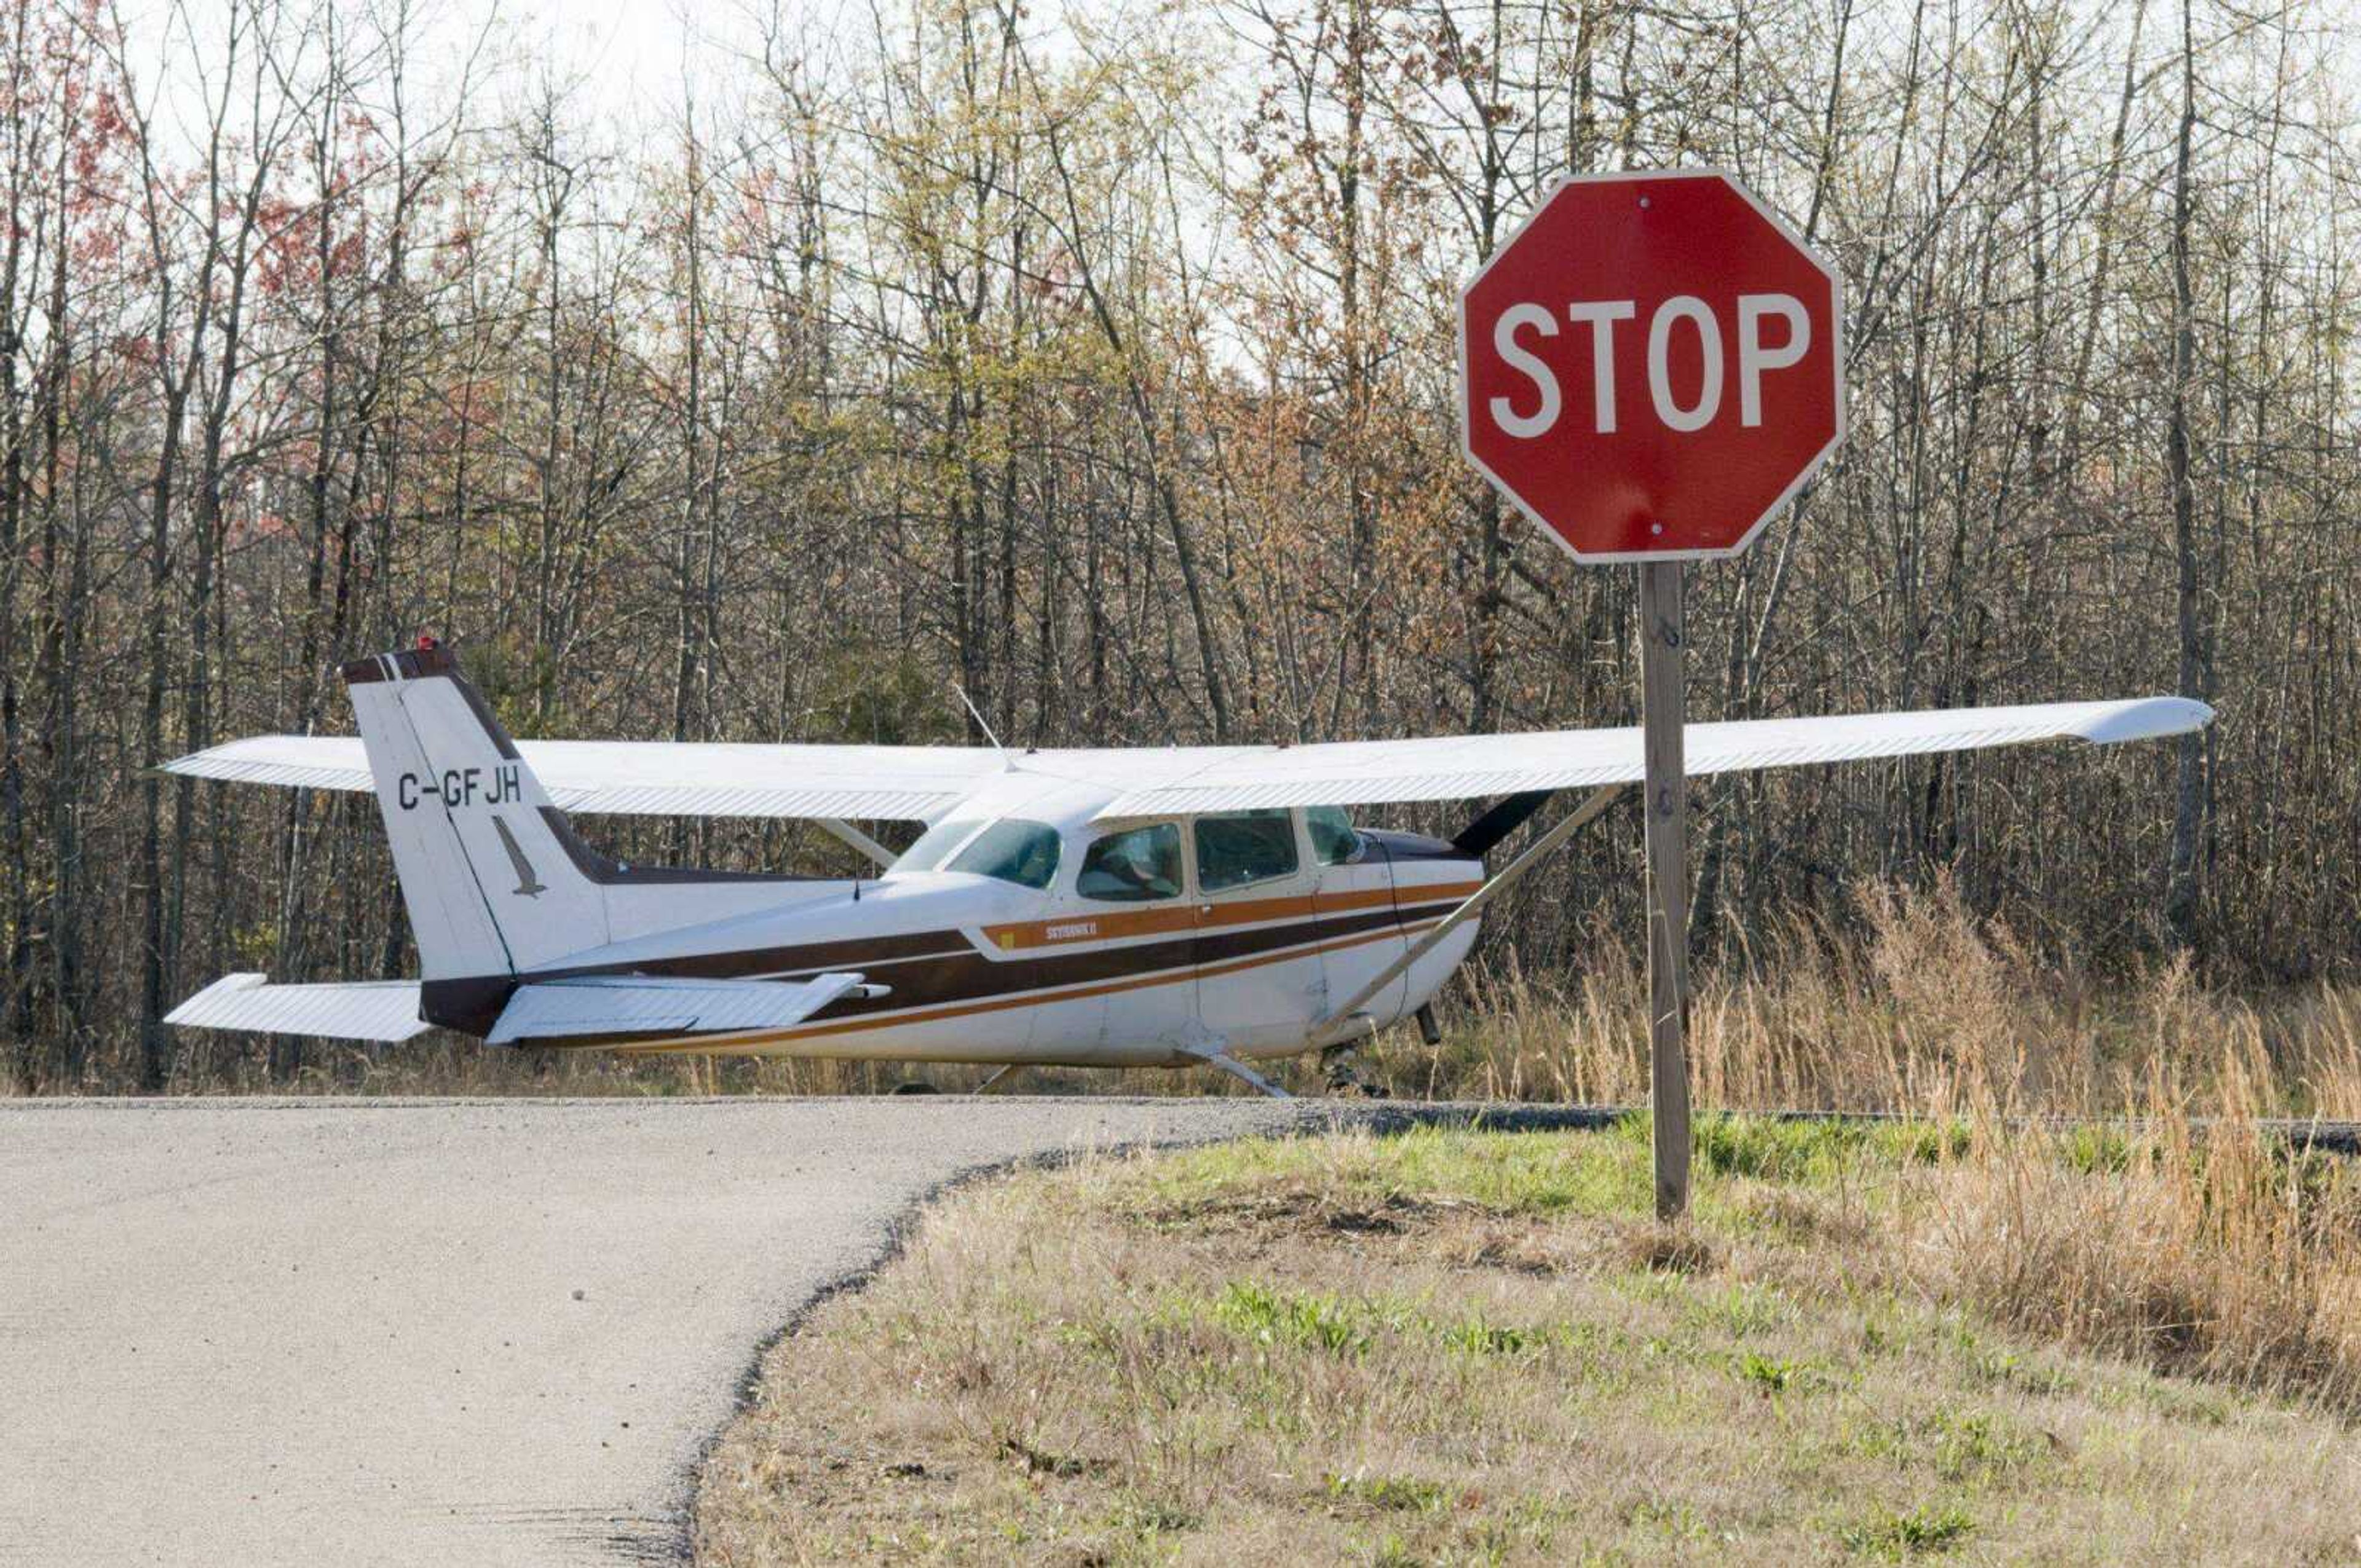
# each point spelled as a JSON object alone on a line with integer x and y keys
{"x": 1007, "y": 763}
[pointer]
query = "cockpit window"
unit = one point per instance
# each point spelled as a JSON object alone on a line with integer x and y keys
{"x": 1013, "y": 851}
{"x": 1133, "y": 867}
{"x": 935, "y": 845}
{"x": 1252, "y": 846}
{"x": 1334, "y": 842}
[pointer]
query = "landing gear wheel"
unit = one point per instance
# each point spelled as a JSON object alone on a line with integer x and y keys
{"x": 1343, "y": 1080}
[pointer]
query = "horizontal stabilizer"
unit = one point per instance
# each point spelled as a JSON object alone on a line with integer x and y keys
{"x": 597, "y": 1005}
{"x": 383, "y": 1010}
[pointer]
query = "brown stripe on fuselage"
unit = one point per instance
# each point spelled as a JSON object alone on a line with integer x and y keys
{"x": 971, "y": 977}
{"x": 970, "y": 974}
{"x": 932, "y": 978}
{"x": 642, "y": 1045}
{"x": 1116, "y": 925}
{"x": 807, "y": 958}
{"x": 474, "y": 1003}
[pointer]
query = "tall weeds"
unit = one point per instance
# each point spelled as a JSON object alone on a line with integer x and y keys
{"x": 1917, "y": 1006}
{"x": 2209, "y": 1247}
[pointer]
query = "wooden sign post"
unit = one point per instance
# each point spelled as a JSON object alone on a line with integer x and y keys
{"x": 1662, "y": 709}
{"x": 1652, "y": 366}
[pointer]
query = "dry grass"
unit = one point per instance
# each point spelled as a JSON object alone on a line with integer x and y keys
{"x": 1871, "y": 1343}
{"x": 1921, "y": 1007}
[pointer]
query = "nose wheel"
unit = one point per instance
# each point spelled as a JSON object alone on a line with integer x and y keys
{"x": 1342, "y": 1067}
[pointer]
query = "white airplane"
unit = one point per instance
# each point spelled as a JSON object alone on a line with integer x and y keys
{"x": 1187, "y": 906}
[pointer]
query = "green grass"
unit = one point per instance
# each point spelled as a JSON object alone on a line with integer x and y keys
{"x": 1811, "y": 1151}
{"x": 1393, "y": 1494}
{"x": 1538, "y": 1174}
{"x": 1923, "y": 1531}
{"x": 1542, "y": 1175}
{"x": 1769, "y": 1373}
{"x": 1304, "y": 1320}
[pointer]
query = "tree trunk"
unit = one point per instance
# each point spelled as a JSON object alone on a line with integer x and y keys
{"x": 2189, "y": 794}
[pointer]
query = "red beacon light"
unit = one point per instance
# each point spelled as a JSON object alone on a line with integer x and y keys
{"x": 426, "y": 643}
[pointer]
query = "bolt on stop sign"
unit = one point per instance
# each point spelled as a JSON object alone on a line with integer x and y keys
{"x": 1651, "y": 365}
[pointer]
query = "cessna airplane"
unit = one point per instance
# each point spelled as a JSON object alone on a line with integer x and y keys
{"x": 1187, "y": 906}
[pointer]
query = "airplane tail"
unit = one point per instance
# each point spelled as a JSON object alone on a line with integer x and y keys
{"x": 492, "y": 872}
{"x": 499, "y": 887}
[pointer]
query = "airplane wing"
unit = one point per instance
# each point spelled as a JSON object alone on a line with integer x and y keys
{"x": 1463, "y": 767}
{"x": 922, "y": 782}
{"x": 643, "y": 778}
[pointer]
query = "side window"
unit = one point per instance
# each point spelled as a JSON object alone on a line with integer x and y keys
{"x": 1133, "y": 867}
{"x": 1334, "y": 842}
{"x": 1252, "y": 846}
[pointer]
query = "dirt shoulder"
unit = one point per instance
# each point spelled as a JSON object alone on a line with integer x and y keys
{"x": 1454, "y": 1346}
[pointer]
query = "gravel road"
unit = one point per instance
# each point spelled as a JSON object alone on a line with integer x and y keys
{"x": 414, "y": 1331}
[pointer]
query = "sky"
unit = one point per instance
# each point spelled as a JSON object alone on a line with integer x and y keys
{"x": 634, "y": 56}
{"x": 630, "y": 61}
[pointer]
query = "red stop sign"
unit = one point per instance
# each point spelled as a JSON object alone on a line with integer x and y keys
{"x": 1651, "y": 365}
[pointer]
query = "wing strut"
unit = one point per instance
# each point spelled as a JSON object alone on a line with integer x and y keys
{"x": 1215, "y": 1056}
{"x": 846, "y": 833}
{"x": 1506, "y": 816}
{"x": 1595, "y": 803}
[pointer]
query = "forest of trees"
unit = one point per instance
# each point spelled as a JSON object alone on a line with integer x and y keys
{"x": 1100, "y": 365}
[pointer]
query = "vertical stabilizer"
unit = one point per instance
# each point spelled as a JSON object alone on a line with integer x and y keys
{"x": 488, "y": 870}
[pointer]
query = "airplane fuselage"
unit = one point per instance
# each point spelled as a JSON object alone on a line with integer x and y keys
{"x": 965, "y": 967}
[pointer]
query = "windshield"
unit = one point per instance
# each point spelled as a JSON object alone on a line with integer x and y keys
{"x": 934, "y": 845}
{"x": 1013, "y": 851}
{"x": 1334, "y": 842}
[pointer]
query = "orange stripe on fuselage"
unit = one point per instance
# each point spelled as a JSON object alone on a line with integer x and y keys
{"x": 721, "y": 1045}
{"x": 1118, "y": 924}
